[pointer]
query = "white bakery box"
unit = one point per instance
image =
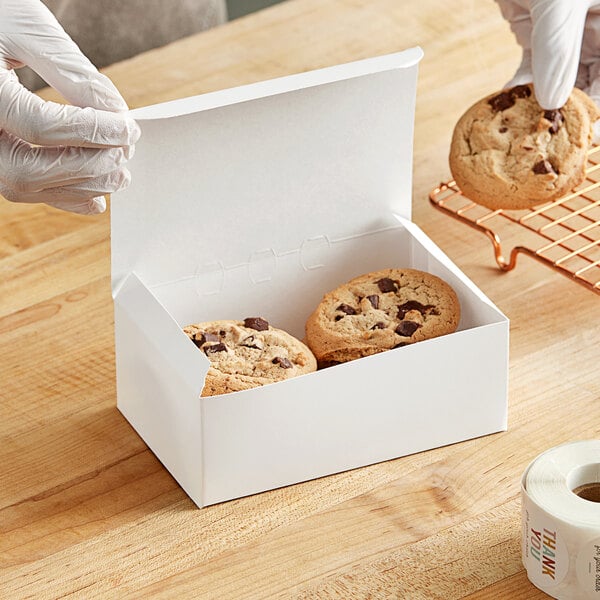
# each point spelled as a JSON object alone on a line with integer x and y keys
{"x": 255, "y": 201}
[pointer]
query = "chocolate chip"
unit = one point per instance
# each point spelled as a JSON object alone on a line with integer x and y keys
{"x": 284, "y": 363}
{"x": 400, "y": 345}
{"x": 379, "y": 325}
{"x": 424, "y": 309}
{"x": 407, "y": 328}
{"x": 256, "y": 323}
{"x": 502, "y": 101}
{"x": 387, "y": 285}
{"x": 554, "y": 127}
{"x": 521, "y": 91}
{"x": 542, "y": 167}
{"x": 346, "y": 309}
{"x": 215, "y": 348}
{"x": 503, "y": 129}
{"x": 416, "y": 305}
{"x": 506, "y": 99}
{"x": 251, "y": 342}
{"x": 555, "y": 117}
{"x": 374, "y": 300}
{"x": 204, "y": 336}
{"x": 338, "y": 318}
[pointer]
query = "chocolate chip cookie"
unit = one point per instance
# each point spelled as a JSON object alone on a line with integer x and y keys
{"x": 508, "y": 152}
{"x": 249, "y": 353}
{"x": 380, "y": 311}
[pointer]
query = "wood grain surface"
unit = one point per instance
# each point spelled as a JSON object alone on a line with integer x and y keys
{"x": 87, "y": 511}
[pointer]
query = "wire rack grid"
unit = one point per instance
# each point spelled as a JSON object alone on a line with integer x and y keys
{"x": 563, "y": 234}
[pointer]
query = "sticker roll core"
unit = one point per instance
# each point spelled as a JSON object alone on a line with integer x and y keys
{"x": 560, "y": 494}
{"x": 588, "y": 491}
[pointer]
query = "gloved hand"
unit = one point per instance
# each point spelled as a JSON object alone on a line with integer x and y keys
{"x": 65, "y": 156}
{"x": 561, "y": 47}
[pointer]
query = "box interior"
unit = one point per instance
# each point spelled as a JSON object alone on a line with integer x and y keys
{"x": 285, "y": 288}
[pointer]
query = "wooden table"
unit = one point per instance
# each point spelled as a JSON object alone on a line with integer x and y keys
{"x": 87, "y": 511}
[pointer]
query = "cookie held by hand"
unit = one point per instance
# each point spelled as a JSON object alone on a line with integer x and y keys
{"x": 380, "y": 311}
{"x": 247, "y": 354}
{"x": 507, "y": 152}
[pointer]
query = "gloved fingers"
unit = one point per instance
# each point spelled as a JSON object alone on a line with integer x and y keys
{"x": 556, "y": 40}
{"x": 524, "y": 74}
{"x": 26, "y": 168}
{"x": 93, "y": 206}
{"x": 71, "y": 194}
{"x": 83, "y": 204}
{"x": 30, "y": 118}
{"x": 84, "y": 198}
{"x": 34, "y": 37}
{"x": 105, "y": 184}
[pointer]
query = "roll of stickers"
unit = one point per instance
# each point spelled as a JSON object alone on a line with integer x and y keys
{"x": 560, "y": 495}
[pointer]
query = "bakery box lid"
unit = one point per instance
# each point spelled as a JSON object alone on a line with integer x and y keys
{"x": 219, "y": 177}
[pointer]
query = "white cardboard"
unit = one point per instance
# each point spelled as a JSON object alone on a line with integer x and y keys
{"x": 325, "y": 152}
{"x": 257, "y": 201}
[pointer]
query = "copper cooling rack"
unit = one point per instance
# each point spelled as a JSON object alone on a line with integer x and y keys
{"x": 564, "y": 234}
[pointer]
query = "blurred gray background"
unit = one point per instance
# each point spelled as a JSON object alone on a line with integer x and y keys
{"x": 238, "y": 8}
{"x": 108, "y": 31}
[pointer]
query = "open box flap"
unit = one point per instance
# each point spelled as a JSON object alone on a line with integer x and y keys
{"x": 162, "y": 336}
{"x": 236, "y": 175}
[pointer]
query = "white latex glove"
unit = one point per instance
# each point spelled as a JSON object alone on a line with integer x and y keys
{"x": 561, "y": 47}
{"x": 65, "y": 156}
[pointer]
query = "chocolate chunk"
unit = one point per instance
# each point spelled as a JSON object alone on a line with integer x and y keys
{"x": 338, "y": 317}
{"x": 503, "y": 130}
{"x": 251, "y": 342}
{"x": 542, "y": 167}
{"x": 424, "y": 309}
{"x": 284, "y": 363}
{"x": 502, "y": 101}
{"x": 215, "y": 348}
{"x": 374, "y": 300}
{"x": 551, "y": 115}
{"x": 506, "y": 99}
{"x": 400, "y": 345}
{"x": 346, "y": 309}
{"x": 555, "y": 117}
{"x": 256, "y": 323}
{"x": 416, "y": 305}
{"x": 407, "y": 328}
{"x": 387, "y": 285}
{"x": 203, "y": 337}
{"x": 379, "y": 325}
{"x": 521, "y": 91}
